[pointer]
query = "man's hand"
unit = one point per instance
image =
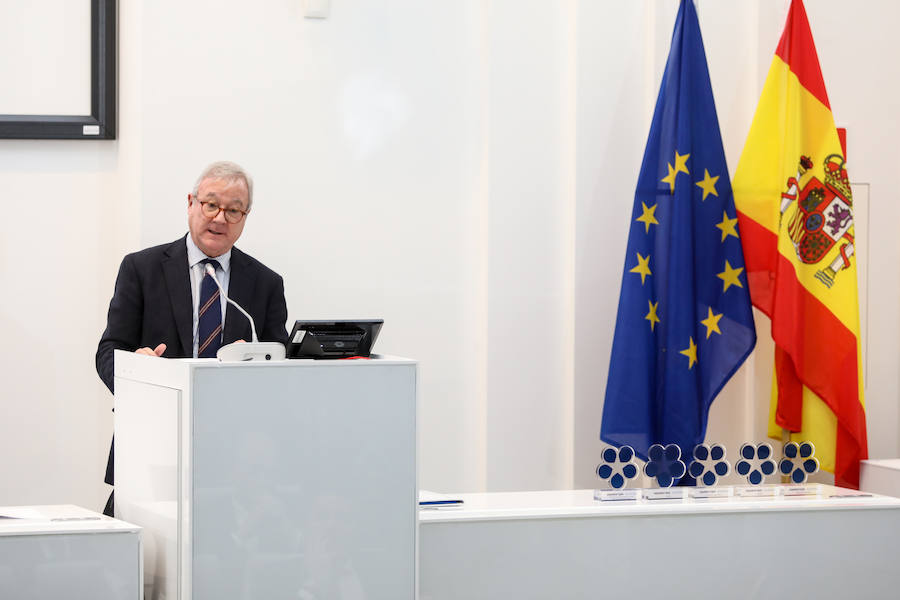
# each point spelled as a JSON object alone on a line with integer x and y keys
{"x": 158, "y": 351}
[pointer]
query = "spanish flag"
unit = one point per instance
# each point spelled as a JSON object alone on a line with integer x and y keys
{"x": 794, "y": 205}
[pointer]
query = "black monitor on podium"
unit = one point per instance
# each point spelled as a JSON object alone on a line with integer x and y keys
{"x": 339, "y": 338}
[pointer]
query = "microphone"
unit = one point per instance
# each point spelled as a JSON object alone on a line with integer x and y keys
{"x": 244, "y": 351}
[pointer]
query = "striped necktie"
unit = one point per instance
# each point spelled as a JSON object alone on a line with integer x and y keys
{"x": 209, "y": 314}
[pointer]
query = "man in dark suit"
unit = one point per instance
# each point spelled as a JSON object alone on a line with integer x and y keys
{"x": 155, "y": 308}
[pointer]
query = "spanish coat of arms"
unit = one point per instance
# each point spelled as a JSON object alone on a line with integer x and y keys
{"x": 822, "y": 217}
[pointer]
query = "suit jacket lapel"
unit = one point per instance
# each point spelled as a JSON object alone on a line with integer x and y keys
{"x": 241, "y": 283}
{"x": 178, "y": 282}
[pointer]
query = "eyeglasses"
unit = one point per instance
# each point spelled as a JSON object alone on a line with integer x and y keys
{"x": 211, "y": 210}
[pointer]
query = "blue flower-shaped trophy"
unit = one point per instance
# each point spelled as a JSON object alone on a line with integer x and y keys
{"x": 664, "y": 464}
{"x": 709, "y": 464}
{"x": 755, "y": 463}
{"x": 799, "y": 461}
{"x": 618, "y": 467}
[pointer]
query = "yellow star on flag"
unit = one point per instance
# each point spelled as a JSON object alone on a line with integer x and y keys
{"x": 730, "y": 276}
{"x": 643, "y": 267}
{"x": 708, "y": 185}
{"x": 727, "y": 226}
{"x": 691, "y": 353}
{"x": 680, "y": 167}
{"x": 670, "y": 178}
{"x": 681, "y": 163}
{"x": 651, "y": 316}
{"x": 712, "y": 323}
{"x": 648, "y": 218}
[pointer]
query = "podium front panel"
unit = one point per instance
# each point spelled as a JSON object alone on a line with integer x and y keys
{"x": 296, "y": 486}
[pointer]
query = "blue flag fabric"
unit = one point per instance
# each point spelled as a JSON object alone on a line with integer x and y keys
{"x": 684, "y": 323}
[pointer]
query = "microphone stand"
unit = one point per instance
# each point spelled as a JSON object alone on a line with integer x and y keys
{"x": 245, "y": 351}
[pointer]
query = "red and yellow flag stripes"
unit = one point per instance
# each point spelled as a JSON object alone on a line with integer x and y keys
{"x": 795, "y": 212}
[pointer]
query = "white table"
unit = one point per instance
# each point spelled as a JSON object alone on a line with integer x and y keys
{"x": 566, "y": 545}
{"x": 880, "y": 476}
{"x": 67, "y": 552}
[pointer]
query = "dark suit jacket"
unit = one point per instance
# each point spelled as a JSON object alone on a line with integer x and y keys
{"x": 152, "y": 304}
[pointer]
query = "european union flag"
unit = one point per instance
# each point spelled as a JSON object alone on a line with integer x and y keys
{"x": 684, "y": 324}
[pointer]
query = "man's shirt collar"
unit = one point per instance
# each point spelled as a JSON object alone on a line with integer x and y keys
{"x": 195, "y": 255}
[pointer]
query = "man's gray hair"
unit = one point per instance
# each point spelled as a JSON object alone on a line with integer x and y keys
{"x": 225, "y": 169}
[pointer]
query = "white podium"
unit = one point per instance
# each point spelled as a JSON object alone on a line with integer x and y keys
{"x": 294, "y": 479}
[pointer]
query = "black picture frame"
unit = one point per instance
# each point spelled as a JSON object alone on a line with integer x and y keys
{"x": 101, "y": 123}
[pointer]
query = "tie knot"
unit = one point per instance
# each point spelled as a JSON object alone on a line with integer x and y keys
{"x": 211, "y": 261}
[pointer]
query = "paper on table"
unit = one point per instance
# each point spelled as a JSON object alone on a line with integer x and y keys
{"x": 433, "y": 499}
{"x": 21, "y": 512}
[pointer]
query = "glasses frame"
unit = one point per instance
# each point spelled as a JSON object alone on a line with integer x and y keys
{"x": 222, "y": 209}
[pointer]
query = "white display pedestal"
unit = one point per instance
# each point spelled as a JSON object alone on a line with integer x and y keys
{"x": 67, "y": 552}
{"x": 880, "y": 476}
{"x": 294, "y": 479}
{"x": 564, "y": 544}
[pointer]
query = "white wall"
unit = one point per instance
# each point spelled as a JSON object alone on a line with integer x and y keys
{"x": 464, "y": 170}
{"x": 71, "y": 213}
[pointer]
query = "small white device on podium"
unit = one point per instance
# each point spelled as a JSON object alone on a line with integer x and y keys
{"x": 244, "y": 351}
